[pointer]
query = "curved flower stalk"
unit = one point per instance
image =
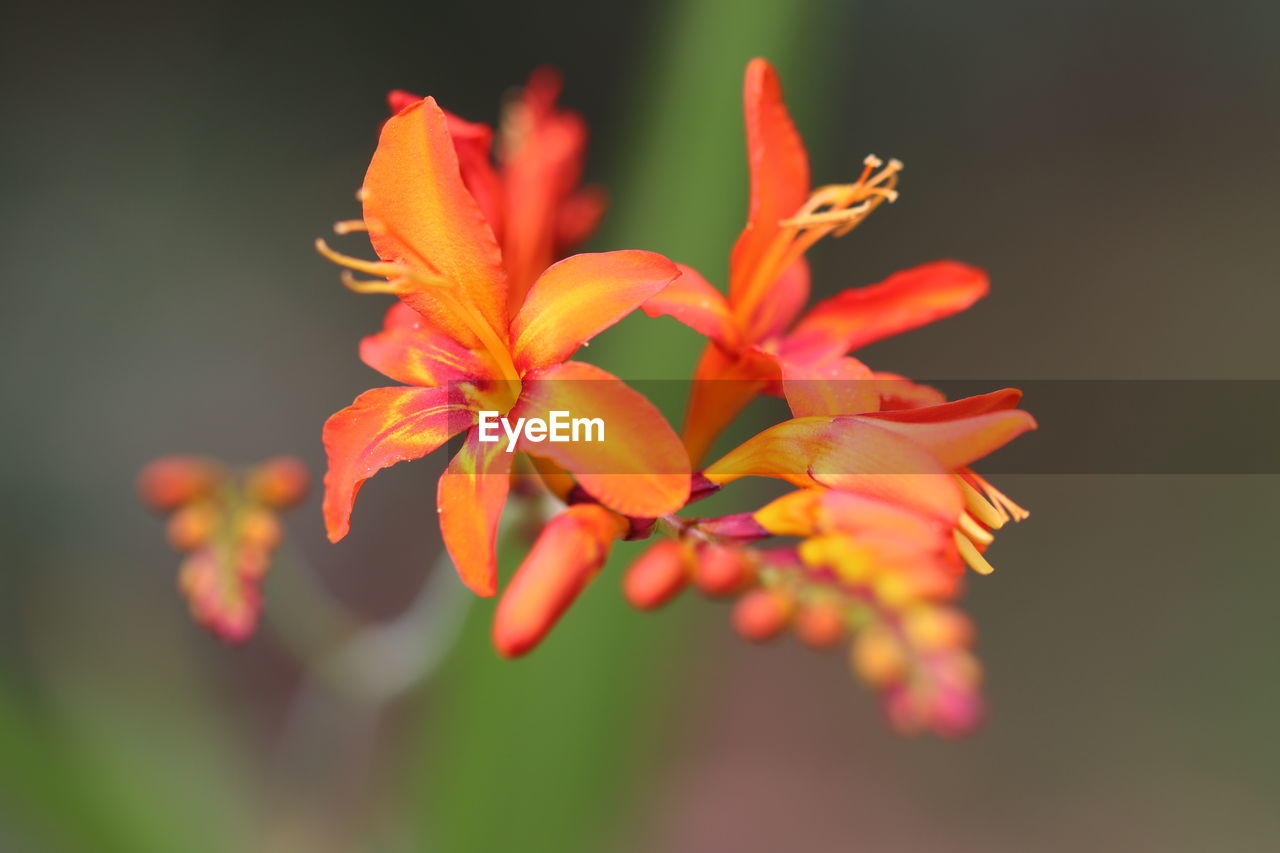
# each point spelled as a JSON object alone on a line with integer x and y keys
{"x": 462, "y": 350}
{"x": 227, "y": 523}
{"x": 757, "y": 336}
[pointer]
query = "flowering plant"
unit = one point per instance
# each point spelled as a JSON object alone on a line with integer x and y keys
{"x": 871, "y": 547}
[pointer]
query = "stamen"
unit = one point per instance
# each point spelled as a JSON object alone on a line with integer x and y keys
{"x": 971, "y": 556}
{"x": 382, "y": 268}
{"x": 976, "y": 533}
{"x": 395, "y": 287}
{"x": 983, "y": 510}
{"x": 998, "y": 498}
{"x": 350, "y": 226}
{"x": 835, "y": 209}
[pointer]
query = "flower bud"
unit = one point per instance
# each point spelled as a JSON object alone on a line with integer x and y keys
{"x": 878, "y": 656}
{"x": 260, "y": 528}
{"x": 657, "y": 575}
{"x": 192, "y": 526}
{"x": 722, "y": 569}
{"x": 761, "y": 614}
{"x": 571, "y": 549}
{"x": 170, "y": 481}
{"x": 280, "y": 482}
{"x": 820, "y": 624}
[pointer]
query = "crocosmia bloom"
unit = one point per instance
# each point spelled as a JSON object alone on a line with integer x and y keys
{"x": 461, "y": 349}
{"x": 760, "y": 333}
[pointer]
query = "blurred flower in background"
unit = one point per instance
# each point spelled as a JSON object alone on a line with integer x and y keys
{"x": 227, "y": 523}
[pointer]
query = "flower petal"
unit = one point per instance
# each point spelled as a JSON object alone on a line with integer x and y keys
{"x": 542, "y": 155}
{"x": 580, "y": 297}
{"x": 382, "y": 427}
{"x": 722, "y": 387}
{"x": 472, "y": 142}
{"x": 959, "y": 442}
{"x": 639, "y": 469}
{"x": 779, "y": 168}
{"x": 694, "y": 301}
{"x": 470, "y": 497}
{"x": 847, "y": 453}
{"x": 780, "y": 305}
{"x": 568, "y": 554}
{"x": 410, "y": 350}
{"x": 845, "y": 386}
{"x": 903, "y": 301}
{"x": 899, "y": 392}
{"x": 420, "y": 213}
{"x": 981, "y": 404}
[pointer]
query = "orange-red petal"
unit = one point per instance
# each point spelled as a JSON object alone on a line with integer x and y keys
{"x": 694, "y": 301}
{"x": 961, "y": 441}
{"x": 639, "y": 469}
{"x": 847, "y": 453}
{"x": 903, "y": 301}
{"x": 412, "y": 350}
{"x": 779, "y": 169}
{"x": 580, "y": 297}
{"x": 722, "y": 386}
{"x": 470, "y": 497}
{"x": 382, "y": 427}
{"x": 568, "y": 554}
{"x": 421, "y": 214}
{"x": 844, "y": 386}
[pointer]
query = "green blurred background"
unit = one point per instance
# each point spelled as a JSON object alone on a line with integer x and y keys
{"x": 166, "y": 166}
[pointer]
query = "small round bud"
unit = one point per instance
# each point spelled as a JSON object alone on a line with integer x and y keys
{"x": 260, "y": 528}
{"x": 192, "y": 526}
{"x": 820, "y": 624}
{"x": 938, "y": 627}
{"x": 761, "y": 614}
{"x": 170, "y": 481}
{"x": 657, "y": 575}
{"x": 280, "y": 482}
{"x": 878, "y": 656}
{"x": 721, "y": 569}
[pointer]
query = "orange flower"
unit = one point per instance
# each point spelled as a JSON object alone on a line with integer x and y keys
{"x": 463, "y": 350}
{"x": 532, "y": 199}
{"x": 754, "y": 336}
{"x": 914, "y": 458}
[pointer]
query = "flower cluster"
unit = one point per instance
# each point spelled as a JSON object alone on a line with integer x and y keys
{"x": 871, "y": 548}
{"x": 227, "y": 523}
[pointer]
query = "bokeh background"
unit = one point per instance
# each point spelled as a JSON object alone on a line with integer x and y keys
{"x": 166, "y": 167}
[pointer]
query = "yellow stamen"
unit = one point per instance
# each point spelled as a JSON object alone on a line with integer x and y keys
{"x": 990, "y": 515}
{"x": 970, "y": 554}
{"x": 976, "y": 533}
{"x": 835, "y": 209}
{"x": 350, "y": 226}
{"x": 403, "y": 280}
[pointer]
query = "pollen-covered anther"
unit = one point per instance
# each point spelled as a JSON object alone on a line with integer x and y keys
{"x": 838, "y": 208}
{"x": 971, "y": 555}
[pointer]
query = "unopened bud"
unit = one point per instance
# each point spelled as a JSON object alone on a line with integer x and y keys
{"x": 657, "y": 575}
{"x": 170, "y": 481}
{"x": 878, "y": 656}
{"x": 761, "y": 614}
{"x": 260, "y": 528}
{"x": 722, "y": 569}
{"x": 820, "y": 624}
{"x": 280, "y": 482}
{"x": 192, "y": 526}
